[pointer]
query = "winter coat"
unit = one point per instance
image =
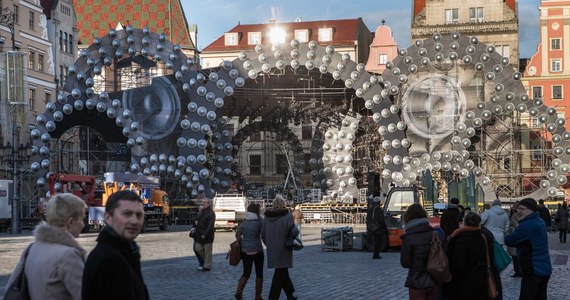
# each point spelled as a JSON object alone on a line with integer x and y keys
{"x": 562, "y": 216}
{"x": 54, "y": 266}
{"x": 545, "y": 215}
{"x": 531, "y": 240}
{"x": 205, "y": 227}
{"x": 468, "y": 265}
{"x": 416, "y": 242}
{"x": 497, "y": 221}
{"x": 274, "y": 232}
{"x": 249, "y": 233}
{"x": 375, "y": 219}
{"x": 448, "y": 221}
{"x": 113, "y": 270}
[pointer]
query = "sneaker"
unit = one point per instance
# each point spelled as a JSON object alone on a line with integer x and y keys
{"x": 205, "y": 270}
{"x": 377, "y": 257}
{"x": 200, "y": 268}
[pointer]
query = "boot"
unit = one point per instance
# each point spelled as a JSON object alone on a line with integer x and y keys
{"x": 241, "y": 285}
{"x": 258, "y": 288}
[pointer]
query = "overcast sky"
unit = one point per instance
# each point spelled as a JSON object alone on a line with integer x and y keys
{"x": 215, "y": 17}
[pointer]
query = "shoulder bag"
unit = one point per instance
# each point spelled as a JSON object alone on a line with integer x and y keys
{"x": 234, "y": 254}
{"x": 18, "y": 289}
{"x": 438, "y": 263}
{"x": 493, "y": 292}
{"x": 501, "y": 257}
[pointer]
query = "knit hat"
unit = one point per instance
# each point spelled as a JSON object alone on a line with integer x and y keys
{"x": 376, "y": 199}
{"x": 529, "y": 203}
{"x": 496, "y": 202}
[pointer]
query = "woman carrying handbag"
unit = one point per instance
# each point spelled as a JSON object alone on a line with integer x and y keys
{"x": 249, "y": 235}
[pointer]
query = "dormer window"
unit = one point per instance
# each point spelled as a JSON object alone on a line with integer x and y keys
{"x": 302, "y": 35}
{"x": 325, "y": 34}
{"x": 231, "y": 39}
{"x": 254, "y": 38}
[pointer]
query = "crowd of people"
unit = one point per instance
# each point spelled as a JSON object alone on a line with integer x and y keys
{"x": 57, "y": 267}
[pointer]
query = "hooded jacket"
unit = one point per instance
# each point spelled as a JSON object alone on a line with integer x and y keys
{"x": 497, "y": 221}
{"x": 531, "y": 240}
{"x": 54, "y": 266}
{"x": 275, "y": 229}
{"x": 416, "y": 243}
{"x": 250, "y": 233}
{"x": 113, "y": 270}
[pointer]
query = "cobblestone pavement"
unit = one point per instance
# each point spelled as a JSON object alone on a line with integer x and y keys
{"x": 169, "y": 269}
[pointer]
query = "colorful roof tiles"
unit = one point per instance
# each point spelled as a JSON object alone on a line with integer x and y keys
{"x": 96, "y": 17}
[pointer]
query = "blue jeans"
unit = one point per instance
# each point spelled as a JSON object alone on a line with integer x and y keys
{"x": 299, "y": 228}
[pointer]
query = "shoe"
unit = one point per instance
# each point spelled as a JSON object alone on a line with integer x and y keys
{"x": 205, "y": 270}
{"x": 200, "y": 268}
{"x": 377, "y": 257}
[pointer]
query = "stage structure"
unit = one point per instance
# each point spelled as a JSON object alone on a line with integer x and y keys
{"x": 432, "y": 108}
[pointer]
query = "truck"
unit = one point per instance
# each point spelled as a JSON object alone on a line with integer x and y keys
{"x": 395, "y": 205}
{"x": 155, "y": 200}
{"x": 84, "y": 187}
{"x": 230, "y": 210}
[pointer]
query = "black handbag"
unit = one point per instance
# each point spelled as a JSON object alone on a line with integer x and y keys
{"x": 18, "y": 289}
{"x": 293, "y": 242}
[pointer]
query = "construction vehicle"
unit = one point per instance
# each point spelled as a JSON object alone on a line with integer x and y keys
{"x": 395, "y": 205}
{"x": 84, "y": 187}
{"x": 155, "y": 200}
{"x": 230, "y": 210}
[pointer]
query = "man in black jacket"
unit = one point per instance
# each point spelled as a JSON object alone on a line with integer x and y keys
{"x": 113, "y": 268}
{"x": 205, "y": 233}
{"x": 376, "y": 226}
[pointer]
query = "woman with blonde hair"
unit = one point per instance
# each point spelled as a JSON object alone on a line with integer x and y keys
{"x": 277, "y": 226}
{"x": 55, "y": 260}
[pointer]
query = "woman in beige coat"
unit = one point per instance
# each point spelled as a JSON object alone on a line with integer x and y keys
{"x": 54, "y": 266}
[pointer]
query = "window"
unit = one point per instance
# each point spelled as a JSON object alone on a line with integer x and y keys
{"x": 302, "y": 35}
{"x": 40, "y": 62}
{"x": 452, "y": 16}
{"x": 65, "y": 42}
{"x": 70, "y": 44}
{"x": 31, "y": 60}
{"x": 535, "y": 123}
{"x": 32, "y": 99}
{"x": 254, "y": 137}
{"x": 231, "y": 39}
{"x": 536, "y": 152}
{"x": 555, "y": 65}
{"x": 65, "y": 10}
{"x": 307, "y": 131}
{"x": 16, "y": 11}
{"x": 383, "y": 59}
{"x": 60, "y": 40}
{"x": 504, "y": 50}
{"x": 555, "y": 44}
{"x": 254, "y": 38}
{"x": 325, "y": 34}
{"x": 557, "y": 92}
{"x": 281, "y": 164}
{"x": 536, "y": 92}
{"x": 475, "y": 14}
{"x": 31, "y": 21}
{"x": 506, "y": 164}
{"x": 47, "y": 98}
{"x": 255, "y": 164}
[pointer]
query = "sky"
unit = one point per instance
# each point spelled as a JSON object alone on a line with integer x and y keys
{"x": 215, "y": 17}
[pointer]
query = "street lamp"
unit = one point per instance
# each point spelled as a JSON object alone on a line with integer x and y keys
{"x": 13, "y": 84}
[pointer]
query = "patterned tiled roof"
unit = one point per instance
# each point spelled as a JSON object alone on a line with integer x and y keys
{"x": 96, "y": 17}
